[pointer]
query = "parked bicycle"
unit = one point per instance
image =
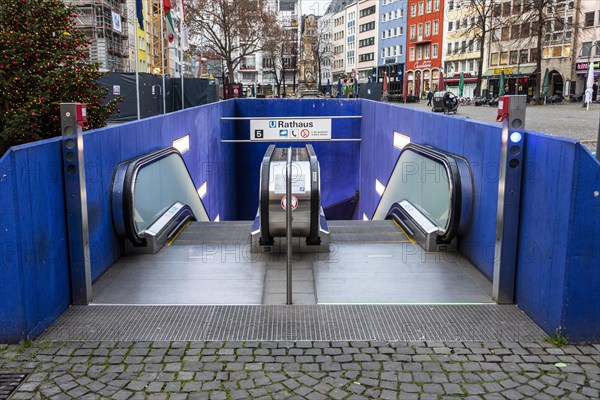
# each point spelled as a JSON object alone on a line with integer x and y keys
{"x": 464, "y": 101}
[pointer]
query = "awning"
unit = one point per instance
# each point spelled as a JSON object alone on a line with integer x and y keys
{"x": 509, "y": 71}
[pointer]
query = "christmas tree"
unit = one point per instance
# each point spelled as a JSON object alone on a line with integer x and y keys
{"x": 43, "y": 62}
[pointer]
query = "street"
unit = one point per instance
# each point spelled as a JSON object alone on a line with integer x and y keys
{"x": 567, "y": 120}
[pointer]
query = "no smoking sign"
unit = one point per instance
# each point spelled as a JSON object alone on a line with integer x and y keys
{"x": 294, "y": 202}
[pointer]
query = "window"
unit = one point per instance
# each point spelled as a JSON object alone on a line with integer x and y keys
{"x": 533, "y": 54}
{"x": 412, "y": 32}
{"x": 428, "y": 29}
{"x": 436, "y": 5}
{"x": 367, "y": 27}
{"x": 411, "y": 54}
{"x": 427, "y": 52}
{"x": 523, "y": 56}
{"x": 436, "y": 27}
{"x": 516, "y": 7}
{"x": 525, "y": 31}
{"x": 367, "y": 11}
{"x": 505, "y": 33}
{"x": 506, "y": 9}
{"x": 366, "y": 57}
{"x": 419, "y": 53}
{"x": 366, "y": 42}
{"x": 449, "y": 51}
{"x": 428, "y": 6}
{"x": 504, "y": 58}
{"x": 513, "y": 58}
{"x": 450, "y": 26}
{"x": 413, "y": 10}
{"x": 515, "y": 32}
{"x": 494, "y": 59}
{"x": 401, "y": 30}
{"x": 383, "y": 34}
{"x": 588, "y": 19}
{"x": 471, "y": 65}
{"x": 400, "y": 49}
{"x": 434, "y": 51}
{"x": 421, "y": 8}
{"x": 420, "y": 31}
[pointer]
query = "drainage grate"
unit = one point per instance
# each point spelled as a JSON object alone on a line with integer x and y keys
{"x": 9, "y": 382}
{"x": 310, "y": 322}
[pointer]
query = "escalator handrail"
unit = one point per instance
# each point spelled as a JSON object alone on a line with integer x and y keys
{"x": 265, "y": 233}
{"x": 315, "y": 197}
{"x": 454, "y": 181}
{"x": 124, "y": 182}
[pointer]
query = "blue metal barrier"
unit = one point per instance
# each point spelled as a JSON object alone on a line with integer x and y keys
{"x": 558, "y": 272}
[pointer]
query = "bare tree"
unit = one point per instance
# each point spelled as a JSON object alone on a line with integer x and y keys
{"x": 273, "y": 51}
{"x": 231, "y": 28}
{"x": 547, "y": 22}
{"x": 481, "y": 22}
{"x": 323, "y": 53}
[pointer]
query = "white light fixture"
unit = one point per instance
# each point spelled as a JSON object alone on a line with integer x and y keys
{"x": 182, "y": 144}
{"x": 400, "y": 140}
{"x": 379, "y": 187}
{"x": 202, "y": 190}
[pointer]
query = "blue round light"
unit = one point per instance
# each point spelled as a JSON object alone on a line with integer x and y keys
{"x": 516, "y": 137}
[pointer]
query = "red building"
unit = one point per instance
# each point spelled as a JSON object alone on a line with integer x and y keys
{"x": 425, "y": 25}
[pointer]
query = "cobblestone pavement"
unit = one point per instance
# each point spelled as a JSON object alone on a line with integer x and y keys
{"x": 567, "y": 120}
{"x": 304, "y": 370}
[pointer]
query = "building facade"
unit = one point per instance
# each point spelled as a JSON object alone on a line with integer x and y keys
{"x": 367, "y": 40}
{"x": 587, "y": 46}
{"x": 391, "y": 54}
{"x": 425, "y": 38}
{"x": 461, "y": 46}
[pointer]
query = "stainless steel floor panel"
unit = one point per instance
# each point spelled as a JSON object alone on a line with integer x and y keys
{"x": 311, "y": 322}
{"x": 366, "y": 232}
{"x": 214, "y": 232}
{"x": 199, "y": 274}
{"x": 389, "y": 273}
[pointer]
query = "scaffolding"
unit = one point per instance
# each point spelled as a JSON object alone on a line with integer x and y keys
{"x": 156, "y": 60}
{"x": 105, "y": 23}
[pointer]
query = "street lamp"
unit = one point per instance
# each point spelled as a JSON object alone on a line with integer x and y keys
{"x": 597, "y": 46}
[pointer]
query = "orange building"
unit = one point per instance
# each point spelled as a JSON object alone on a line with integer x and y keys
{"x": 424, "y": 40}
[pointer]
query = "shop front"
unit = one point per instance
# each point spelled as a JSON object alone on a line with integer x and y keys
{"x": 470, "y": 83}
{"x": 517, "y": 80}
{"x": 581, "y": 69}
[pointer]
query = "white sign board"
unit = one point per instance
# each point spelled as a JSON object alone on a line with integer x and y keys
{"x": 116, "y": 21}
{"x": 300, "y": 177}
{"x": 290, "y": 129}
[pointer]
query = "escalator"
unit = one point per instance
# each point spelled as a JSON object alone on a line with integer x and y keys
{"x": 429, "y": 194}
{"x": 153, "y": 198}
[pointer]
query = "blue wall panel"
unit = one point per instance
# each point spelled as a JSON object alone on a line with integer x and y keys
{"x": 478, "y": 142}
{"x": 106, "y": 148}
{"x": 338, "y": 160}
{"x": 581, "y": 317}
{"x": 12, "y": 323}
{"x": 33, "y": 270}
{"x": 543, "y": 230}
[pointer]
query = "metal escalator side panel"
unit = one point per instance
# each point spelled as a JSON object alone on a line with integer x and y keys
{"x": 315, "y": 197}
{"x": 163, "y": 179}
{"x": 467, "y": 195}
{"x": 460, "y": 194}
{"x": 265, "y": 235}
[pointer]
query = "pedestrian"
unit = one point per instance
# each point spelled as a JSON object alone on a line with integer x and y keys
{"x": 429, "y": 98}
{"x": 594, "y": 92}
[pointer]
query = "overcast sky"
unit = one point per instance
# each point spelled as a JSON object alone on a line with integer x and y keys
{"x": 317, "y": 7}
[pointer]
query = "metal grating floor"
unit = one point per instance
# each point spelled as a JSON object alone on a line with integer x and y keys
{"x": 9, "y": 382}
{"x": 310, "y": 322}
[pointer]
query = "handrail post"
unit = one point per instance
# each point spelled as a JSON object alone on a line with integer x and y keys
{"x": 288, "y": 216}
